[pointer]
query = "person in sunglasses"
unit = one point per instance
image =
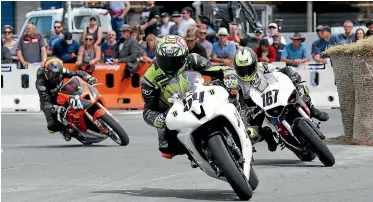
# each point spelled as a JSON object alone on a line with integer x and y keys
{"x": 95, "y": 30}
{"x": 58, "y": 29}
{"x": 89, "y": 54}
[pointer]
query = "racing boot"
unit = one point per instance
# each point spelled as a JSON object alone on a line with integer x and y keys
{"x": 164, "y": 144}
{"x": 253, "y": 134}
{"x": 319, "y": 115}
{"x": 193, "y": 163}
{"x": 66, "y": 135}
{"x": 269, "y": 138}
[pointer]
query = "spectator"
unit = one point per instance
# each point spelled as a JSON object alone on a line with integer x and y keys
{"x": 191, "y": 30}
{"x": 295, "y": 53}
{"x": 313, "y": 46}
{"x": 272, "y": 31}
{"x": 66, "y": 48}
{"x": 118, "y": 10}
{"x": 108, "y": 49}
{"x": 234, "y": 34}
{"x": 322, "y": 44}
{"x": 211, "y": 33}
{"x": 360, "y": 34}
{"x": 370, "y": 28}
{"x": 223, "y": 50}
{"x": 31, "y": 47}
{"x": 58, "y": 29}
{"x": 265, "y": 52}
{"x": 174, "y": 29}
{"x": 10, "y": 43}
{"x": 95, "y": 30}
{"x": 128, "y": 51}
{"x": 89, "y": 53}
{"x": 203, "y": 42}
{"x": 278, "y": 46}
{"x": 347, "y": 36}
{"x": 253, "y": 42}
{"x": 6, "y": 56}
{"x": 195, "y": 47}
{"x": 137, "y": 36}
{"x": 149, "y": 18}
{"x": 187, "y": 19}
{"x": 149, "y": 51}
{"x": 166, "y": 25}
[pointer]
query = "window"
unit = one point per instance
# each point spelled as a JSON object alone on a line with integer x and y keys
{"x": 82, "y": 21}
{"x": 43, "y": 24}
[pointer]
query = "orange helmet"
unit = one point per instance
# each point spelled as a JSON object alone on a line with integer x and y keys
{"x": 53, "y": 68}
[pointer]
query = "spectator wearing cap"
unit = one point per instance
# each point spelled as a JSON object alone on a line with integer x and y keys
{"x": 265, "y": 52}
{"x": 10, "y": 43}
{"x": 89, "y": 53}
{"x": 347, "y": 36}
{"x": 166, "y": 25}
{"x": 319, "y": 35}
{"x": 95, "y": 30}
{"x": 278, "y": 46}
{"x": 31, "y": 47}
{"x": 128, "y": 50}
{"x": 58, "y": 29}
{"x": 359, "y": 34}
{"x": 203, "y": 42}
{"x": 109, "y": 48}
{"x": 295, "y": 53}
{"x": 253, "y": 42}
{"x": 324, "y": 43}
{"x": 186, "y": 20}
{"x": 223, "y": 50}
{"x": 174, "y": 29}
{"x": 149, "y": 18}
{"x": 195, "y": 47}
{"x": 370, "y": 28}
{"x": 149, "y": 52}
{"x": 66, "y": 48}
{"x": 272, "y": 31}
{"x": 118, "y": 10}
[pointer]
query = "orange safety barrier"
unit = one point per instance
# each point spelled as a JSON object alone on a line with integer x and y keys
{"x": 118, "y": 93}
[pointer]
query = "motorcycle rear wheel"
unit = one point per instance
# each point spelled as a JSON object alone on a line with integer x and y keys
{"x": 117, "y": 128}
{"x": 229, "y": 168}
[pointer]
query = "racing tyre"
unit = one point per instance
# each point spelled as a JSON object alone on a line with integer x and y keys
{"x": 309, "y": 132}
{"x": 121, "y": 135}
{"x": 253, "y": 180}
{"x": 229, "y": 168}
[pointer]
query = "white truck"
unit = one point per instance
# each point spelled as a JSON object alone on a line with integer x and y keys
{"x": 76, "y": 20}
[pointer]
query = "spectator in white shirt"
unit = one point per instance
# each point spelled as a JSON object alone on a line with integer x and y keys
{"x": 166, "y": 25}
{"x": 186, "y": 20}
{"x": 273, "y": 31}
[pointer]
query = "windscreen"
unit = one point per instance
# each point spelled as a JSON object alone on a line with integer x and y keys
{"x": 72, "y": 87}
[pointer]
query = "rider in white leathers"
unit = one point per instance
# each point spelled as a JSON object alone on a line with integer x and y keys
{"x": 248, "y": 73}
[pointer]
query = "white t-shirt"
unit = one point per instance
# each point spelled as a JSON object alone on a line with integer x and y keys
{"x": 184, "y": 24}
{"x": 165, "y": 30}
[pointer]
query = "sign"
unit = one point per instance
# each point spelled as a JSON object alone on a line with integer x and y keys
{"x": 107, "y": 67}
{"x": 6, "y": 68}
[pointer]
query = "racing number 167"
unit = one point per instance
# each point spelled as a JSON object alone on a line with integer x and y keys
{"x": 269, "y": 98}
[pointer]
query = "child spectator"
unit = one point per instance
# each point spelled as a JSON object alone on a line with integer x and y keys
{"x": 265, "y": 52}
{"x": 66, "y": 48}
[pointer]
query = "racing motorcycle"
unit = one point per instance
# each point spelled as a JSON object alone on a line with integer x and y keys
{"x": 286, "y": 112}
{"x": 86, "y": 116}
{"x": 212, "y": 132}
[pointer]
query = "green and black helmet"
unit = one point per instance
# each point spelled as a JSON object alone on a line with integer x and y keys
{"x": 245, "y": 62}
{"x": 171, "y": 53}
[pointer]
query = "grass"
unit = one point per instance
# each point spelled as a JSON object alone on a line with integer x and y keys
{"x": 363, "y": 48}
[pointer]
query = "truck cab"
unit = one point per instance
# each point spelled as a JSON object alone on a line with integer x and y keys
{"x": 44, "y": 20}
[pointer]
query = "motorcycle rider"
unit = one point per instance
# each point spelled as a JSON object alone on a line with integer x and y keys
{"x": 247, "y": 75}
{"x": 172, "y": 58}
{"x": 48, "y": 82}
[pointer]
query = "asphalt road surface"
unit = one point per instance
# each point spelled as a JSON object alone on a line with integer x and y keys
{"x": 37, "y": 166}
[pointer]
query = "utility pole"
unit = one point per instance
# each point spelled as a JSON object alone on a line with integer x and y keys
{"x": 309, "y": 16}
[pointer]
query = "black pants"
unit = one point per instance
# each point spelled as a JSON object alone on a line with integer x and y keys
{"x": 52, "y": 123}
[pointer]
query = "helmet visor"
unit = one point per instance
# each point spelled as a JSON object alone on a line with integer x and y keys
{"x": 54, "y": 76}
{"x": 246, "y": 72}
{"x": 170, "y": 65}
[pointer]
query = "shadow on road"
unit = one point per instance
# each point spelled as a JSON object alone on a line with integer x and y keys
{"x": 61, "y": 146}
{"x": 284, "y": 163}
{"x": 192, "y": 194}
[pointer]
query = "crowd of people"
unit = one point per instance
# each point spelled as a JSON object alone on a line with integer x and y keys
{"x": 136, "y": 44}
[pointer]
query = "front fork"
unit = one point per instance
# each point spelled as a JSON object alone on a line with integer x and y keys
{"x": 99, "y": 113}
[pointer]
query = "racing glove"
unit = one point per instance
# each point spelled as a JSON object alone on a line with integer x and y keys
{"x": 90, "y": 79}
{"x": 61, "y": 113}
{"x": 230, "y": 81}
{"x": 160, "y": 121}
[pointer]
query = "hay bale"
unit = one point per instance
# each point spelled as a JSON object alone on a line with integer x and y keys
{"x": 352, "y": 68}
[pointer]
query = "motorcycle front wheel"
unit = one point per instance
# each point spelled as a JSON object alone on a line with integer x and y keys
{"x": 120, "y": 136}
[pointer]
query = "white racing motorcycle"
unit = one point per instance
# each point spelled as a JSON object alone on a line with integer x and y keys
{"x": 212, "y": 131}
{"x": 287, "y": 113}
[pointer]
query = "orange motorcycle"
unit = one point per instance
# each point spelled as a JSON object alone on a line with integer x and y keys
{"x": 86, "y": 116}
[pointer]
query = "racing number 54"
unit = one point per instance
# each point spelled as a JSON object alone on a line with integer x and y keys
{"x": 270, "y": 98}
